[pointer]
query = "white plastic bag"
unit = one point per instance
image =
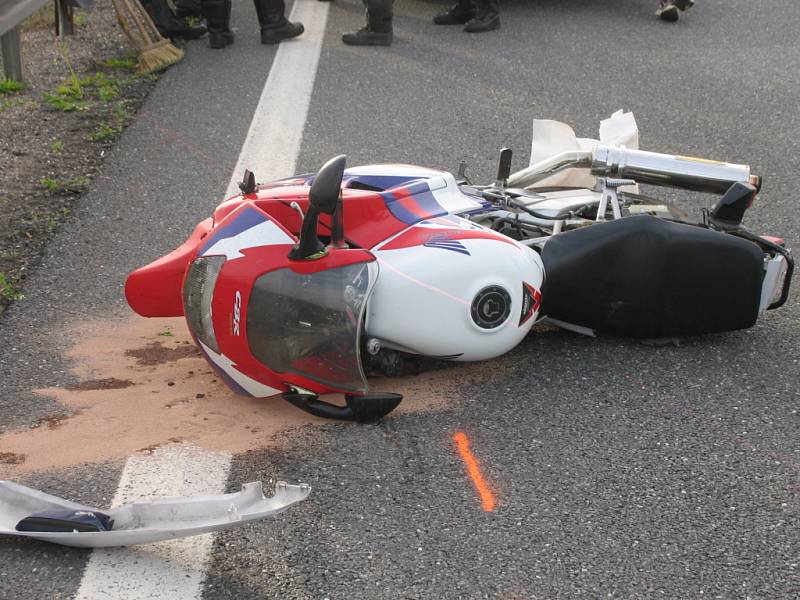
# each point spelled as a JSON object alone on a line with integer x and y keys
{"x": 553, "y": 137}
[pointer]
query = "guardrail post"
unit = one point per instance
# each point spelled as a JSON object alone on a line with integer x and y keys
{"x": 64, "y": 18}
{"x": 12, "y": 63}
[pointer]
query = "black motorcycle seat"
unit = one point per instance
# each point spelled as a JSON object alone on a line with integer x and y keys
{"x": 646, "y": 277}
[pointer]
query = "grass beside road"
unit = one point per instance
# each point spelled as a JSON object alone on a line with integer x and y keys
{"x": 57, "y": 128}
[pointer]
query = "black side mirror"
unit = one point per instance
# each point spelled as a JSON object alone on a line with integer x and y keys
{"x": 323, "y": 198}
{"x": 248, "y": 183}
{"x": 503, "y": 168}
{"x": 327, "y": 185}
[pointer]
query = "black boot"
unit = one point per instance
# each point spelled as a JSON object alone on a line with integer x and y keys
{"x": 367, "y": 37}
{"x": 218, "y": 19}
{"x": 188, "y": 8}
{"x": 487, "y": 19}
{"x": 168, "y": 25}
{"x": 458, "y": 14}
{"x": 274, "y": 25}
{"x": 378, "y": 31}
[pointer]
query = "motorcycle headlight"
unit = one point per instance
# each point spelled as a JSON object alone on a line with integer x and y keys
{"x": 198, "y": 289}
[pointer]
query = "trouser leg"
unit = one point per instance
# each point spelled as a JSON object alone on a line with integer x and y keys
{"x": 488, "y": 8}
{"x": 270, "y": 12}
{"x": 378, "y": 30}
{"x": 218, "y": 18}
{"x": 188, "y": 8}
{"x": 458, "y": 14}
{"x": 379, "y": 15}
{"x": 168, "y": 25}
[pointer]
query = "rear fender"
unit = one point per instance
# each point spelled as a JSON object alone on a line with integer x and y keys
{"x": 155, "y": 290}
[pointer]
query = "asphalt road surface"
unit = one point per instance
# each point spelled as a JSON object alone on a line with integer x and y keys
{"x": 619, "y": 469}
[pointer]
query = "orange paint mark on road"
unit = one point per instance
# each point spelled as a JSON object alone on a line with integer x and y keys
{"x": 488, "y": 499}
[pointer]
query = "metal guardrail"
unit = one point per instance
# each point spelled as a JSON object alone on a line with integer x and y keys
{"x": 14, "y": 12}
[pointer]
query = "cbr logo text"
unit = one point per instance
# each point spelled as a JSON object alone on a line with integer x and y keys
{"x": 237, "y": 309}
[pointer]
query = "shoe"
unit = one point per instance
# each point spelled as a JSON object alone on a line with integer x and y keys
{"x": 274, "y": 25}
{"x": 459, "y": 14}
{"x": 168, "y": 25}
{"x": 218, "y": 18}
{"x": 366, "y": 37}
{"x": 667, "y": 11}
{"x": 286, "y": 31}
{"x": 684, "y": 5}
{"x": 487, "y": 18}
{"x": 479, "y": 25}
{"x": 220, "y": 39}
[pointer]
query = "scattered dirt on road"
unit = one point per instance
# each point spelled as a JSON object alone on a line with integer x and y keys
{"x": 109, "y": 383}
{"x": 9, "y": 458}
{"x": 51, "y": 421}
{"x": 156, "y": 353}
{"x": 152, "y": 448}
{"x": 140, "y": 390}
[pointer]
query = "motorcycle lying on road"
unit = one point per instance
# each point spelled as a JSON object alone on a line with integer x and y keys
{"x": 299, "y": 286}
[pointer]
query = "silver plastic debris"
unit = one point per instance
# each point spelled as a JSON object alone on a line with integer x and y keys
{"x": 147, "y": 522}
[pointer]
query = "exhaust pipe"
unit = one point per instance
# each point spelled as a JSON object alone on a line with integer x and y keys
{"x": 684, "y": 172}
{"x": 581, "y": 159}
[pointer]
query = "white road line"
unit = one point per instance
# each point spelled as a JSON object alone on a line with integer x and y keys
{"x": 273, "y": 141}
{"x": 173, "y": 569}
{"x": 176, "y": 569}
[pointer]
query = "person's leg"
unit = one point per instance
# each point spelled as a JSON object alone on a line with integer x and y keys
{"x": 458, "y": 14}
{"x": 168, "y": 25}
{"x": 274, "y": 25}
{"x": 218, "y": 19}
{"x": 378, "y": 31}
{"x": 487, "y": 17}
{"x": 188, "y": 8}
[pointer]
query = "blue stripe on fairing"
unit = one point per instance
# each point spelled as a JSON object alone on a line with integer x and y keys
{"x": 228, "y": 379}
{"x": 399, "y": 211}
{"x": 246, "y": 219}
{"x": 446, "y": 244}
{"x": 423, "y": 199}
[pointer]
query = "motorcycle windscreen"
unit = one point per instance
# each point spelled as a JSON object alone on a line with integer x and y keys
{"x": 310, "y": 324}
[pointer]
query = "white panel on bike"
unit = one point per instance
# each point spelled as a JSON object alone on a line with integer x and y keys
{"x": 452, "y": 289}
{"x": 450, "y": 197}
{"x": 148, "y": 522}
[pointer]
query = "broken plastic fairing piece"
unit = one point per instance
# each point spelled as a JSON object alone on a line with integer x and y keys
{"x": 147, "y": 522}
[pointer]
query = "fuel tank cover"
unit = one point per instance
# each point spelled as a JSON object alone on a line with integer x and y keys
{"x": 491, "y": 307}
